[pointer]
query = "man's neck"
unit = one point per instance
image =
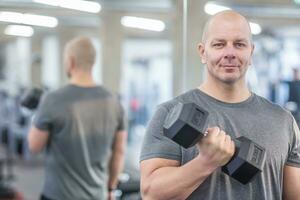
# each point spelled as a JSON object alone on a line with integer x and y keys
{"x": 234, "y": 93}
{"x": 82, "y": 79}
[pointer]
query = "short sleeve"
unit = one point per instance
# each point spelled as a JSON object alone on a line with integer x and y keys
{"x": 43, "y": 117}
{"x": 294, "y": 153}
{"x": 122, "y": 125}
{"x": 155, "y": 144}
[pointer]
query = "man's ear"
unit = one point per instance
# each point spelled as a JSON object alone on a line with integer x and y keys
{"x": 201, "y": 51}
{"x": 72, "y": 62}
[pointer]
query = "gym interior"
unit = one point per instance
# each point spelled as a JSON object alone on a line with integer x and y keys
{"x": 146, "y": 53}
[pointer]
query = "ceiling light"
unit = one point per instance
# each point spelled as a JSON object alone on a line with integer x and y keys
{"x": 86, "y": 6}
{"x": 30, "y": 19}
{"x": 39, "y": 20}
{"x": 19, "y": 30}
{"x": 297, "y": 1}
{"x": 255, "y": 28}
{"x": 143, "y": 23}
{"x": 212, "y": 8}
{"x": 48, "y": 2}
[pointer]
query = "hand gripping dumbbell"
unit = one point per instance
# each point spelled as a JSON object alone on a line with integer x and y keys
{"x": 31, "y": 98}
{"x": 185, "y": 125}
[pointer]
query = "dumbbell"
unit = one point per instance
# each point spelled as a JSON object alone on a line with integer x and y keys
{"x": 31, "y": 98}
{"x": 186, "y": 125}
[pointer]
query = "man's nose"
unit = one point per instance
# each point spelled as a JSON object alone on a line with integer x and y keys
{"x": 230, "y": 53}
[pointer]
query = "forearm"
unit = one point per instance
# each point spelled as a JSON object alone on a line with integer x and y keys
{"x": 176, "y": 183}
{"x": 115, "y": 167}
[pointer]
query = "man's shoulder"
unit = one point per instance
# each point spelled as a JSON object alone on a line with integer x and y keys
{"x": 267, "y": 104}
{"x": 186, "y": 97}
{"x": 70, "y": 89}
{"x": 54, "y": 94}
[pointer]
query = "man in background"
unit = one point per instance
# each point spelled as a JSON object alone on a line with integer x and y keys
{"x": 82, "y": 127}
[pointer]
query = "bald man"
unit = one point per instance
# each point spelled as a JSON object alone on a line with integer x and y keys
{"x": 82, "y": 127}
{"x": 168, "y": 171}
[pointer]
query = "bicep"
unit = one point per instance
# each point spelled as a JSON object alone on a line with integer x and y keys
{"x": 148, "y": 167}
{"x": 37, "y": 139}
{"x": 291, "y": 183}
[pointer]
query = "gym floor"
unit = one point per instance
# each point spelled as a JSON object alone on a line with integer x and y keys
{"x": 29, "y": 177}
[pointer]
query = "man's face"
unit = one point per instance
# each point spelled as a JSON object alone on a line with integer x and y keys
{"x": 227, "y": 49}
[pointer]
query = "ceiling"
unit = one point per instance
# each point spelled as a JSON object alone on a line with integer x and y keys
{"x": 271, "y": 14}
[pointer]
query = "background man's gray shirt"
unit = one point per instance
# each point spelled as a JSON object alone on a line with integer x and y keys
{"x": 265, "y": 123}
{"x": 82, "y": 123}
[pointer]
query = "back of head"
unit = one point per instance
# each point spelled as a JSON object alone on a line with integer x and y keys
{"x": 82, "y": 51}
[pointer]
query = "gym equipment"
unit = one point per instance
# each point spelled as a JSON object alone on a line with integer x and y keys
{"x": 185, "y": 125}
{"x": 7, "y": 192}
{"x": 31, "y": 98}
{"x": 129, "y": 190}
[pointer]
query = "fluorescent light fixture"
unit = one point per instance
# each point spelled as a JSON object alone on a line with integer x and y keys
{"x": 297, "y": 1}
{"x": 19, "y": 30}
{"x": 29, "y": 19}
{"x": 255, "y": 28}
{"x": 13, "y": 17}
{"x": 86, "y": 6}
{"x": 212, "y": 8}
{"x": 48, "y": 2}
{"x": 39, "y": 20}
{"x": 143, "y": 23}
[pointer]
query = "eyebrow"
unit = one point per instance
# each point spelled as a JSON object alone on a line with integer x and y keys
{"x": 237, "y": 40}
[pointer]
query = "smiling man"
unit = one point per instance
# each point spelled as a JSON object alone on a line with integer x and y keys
{"x": 168, "y": 171}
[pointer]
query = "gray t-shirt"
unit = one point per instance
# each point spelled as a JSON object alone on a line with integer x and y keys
{"x": 82, "y": 123}
{"x": 265, "y": 123}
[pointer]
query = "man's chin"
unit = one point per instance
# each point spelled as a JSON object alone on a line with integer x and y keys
{"x": 230, "y": 80}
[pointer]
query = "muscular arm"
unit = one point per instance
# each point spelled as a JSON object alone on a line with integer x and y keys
{"x": 117, "y": 158}
{"x": 37, "y": 139}
{"x": 291, "y": 183}
{"x": 163, "y": 179}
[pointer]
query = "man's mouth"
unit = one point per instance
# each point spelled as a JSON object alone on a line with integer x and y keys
{"x": 229, "y": 66}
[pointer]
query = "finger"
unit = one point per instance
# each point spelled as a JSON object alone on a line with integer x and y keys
{"x": 232, "y": 146}
{"x": 213, "y": 131}
{"x": 228, "y": 140}
{"x": 221, "y": 137}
